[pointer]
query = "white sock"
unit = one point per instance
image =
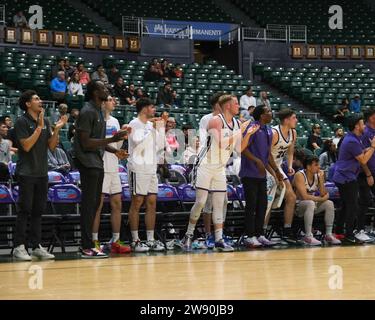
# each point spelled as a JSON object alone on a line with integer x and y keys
{"x": 287, "y": 225}
{"x": 190, "y": 229}
{"x": 135, "y": 235}
{"x": 218, "y": 234}
{"x": 150, "y": 235}
{"x": 115, "y": 237}
{"x": 95, "y": 237}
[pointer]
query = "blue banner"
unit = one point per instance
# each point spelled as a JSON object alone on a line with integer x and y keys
{"x": 201, "y": 30}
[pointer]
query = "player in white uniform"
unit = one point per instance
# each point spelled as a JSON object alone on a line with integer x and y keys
{"x": 308, "y": 182}
{"x": 224, "y": 136}
{"x": 145, "y": 140}
{"x": 283, "y": 142}
{"x": 111, "y": 183}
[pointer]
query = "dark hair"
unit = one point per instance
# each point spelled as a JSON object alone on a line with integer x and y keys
{"x": 215, "y": 98}
{"x": 285, "y": 113}
{"x": 368, "y": 113}
{"x": 327, "y": 148}
{"x": 98, "y": 66}
{"x": 299, "y": 154}
{"x": 80, "y": 63}
{"x": 248, "y": 88}
{"x": 92, "y": 86}
{"x": 142, "y": 103}
{"x": 352, "y": 121}
{"x": 61, "y": 59}
{"x": 344, "y": 101}
{"x": 258, "y": 111}
{"x": 167, "y": 83}
{"x": 309, "y": 160}
{"x": 26, "y": 97}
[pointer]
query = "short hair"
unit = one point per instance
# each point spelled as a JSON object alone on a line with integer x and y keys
{"x": 259, "y": 110}
{"x": 225, "y": 99}
{"x": 215, "y": 98}
{"x": 26, "y": 97}
{"x": 352, "y": 121}
{"x": 63, "y": 105}
{"x": 309, "y": 160}
{"x": 250, "y": 107}
{"x": 143, "y": 103}
{"x": 285, "y": 113}
{"x": 248, "y": 88}
{"x": 92, "y": 86}
{"x": 61, "y": 72}
{"x": 368, "y": 113}
{"x": 98, "y": 66}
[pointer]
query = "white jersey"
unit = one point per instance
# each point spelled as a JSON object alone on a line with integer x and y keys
{"x": 110, "y": 159}
{"x": 211, "y": 154}
{"x": 203, "y": 125}
{"x": 280, "y": 149}
{"x": 311, "y": 188}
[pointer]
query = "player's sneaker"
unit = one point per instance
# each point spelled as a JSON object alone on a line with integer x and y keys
{"x": 265, "y": 242}
{"x": 97, "y": 245}
{"x": 221, "y": 246}
{"x": 21, "y": 254}
{"x": 210, "y": 242}
{"x": 311, "y": 241}
{"x": 93, "y": 253}
{"x": 228, "y": 240}
{"x": 340, "y": 236}
{"x": 361, "y": 236}
{"x": 41, "y": 253}
{"x": 331, "y": 239}
{"x": 119, "y": 247}
{"x": 139, "y": 247}
{"x": 187, "y": 243}
{"x": 288, "y": 236}
{"x": 155, "y": 245}
{"x": 198, "y": 245}
{"x": 252, "y": 242}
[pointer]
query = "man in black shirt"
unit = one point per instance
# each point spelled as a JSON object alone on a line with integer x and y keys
{"x": 120, "y": 90}
{"x": 165, "y": 97}
{"x": 34, "y": 138}
{"x": 314, "y": 141}
{"x": 89, "y": 146}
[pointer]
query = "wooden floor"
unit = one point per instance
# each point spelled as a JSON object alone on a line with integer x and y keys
{"x": 270, "y": 274}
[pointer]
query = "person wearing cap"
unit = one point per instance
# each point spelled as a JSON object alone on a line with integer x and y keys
{"x": 314, "y": 141}
{"x": 355, "y": 104}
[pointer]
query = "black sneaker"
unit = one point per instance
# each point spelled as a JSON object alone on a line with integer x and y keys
{"x": 289, "y": 237}
{"x": 351, "y": 240}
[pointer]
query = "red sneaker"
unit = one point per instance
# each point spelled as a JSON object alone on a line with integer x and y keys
{"x": 339, "y": 236}
{"x": 119, "y": 247}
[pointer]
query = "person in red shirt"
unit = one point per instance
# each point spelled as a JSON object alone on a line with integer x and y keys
{"x": 84, "y": 77}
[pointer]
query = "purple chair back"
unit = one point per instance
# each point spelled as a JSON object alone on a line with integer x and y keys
{"x": 5, "y": 195}
{"x": 123, "y": 177}
{"x": 126, "y": 196}
{"x": 74, "y": 177}
{"x": 167, "y": 193}
{"x": 56, "y": 178}
{"x": 66, "y": 193}
{"x": 121, "y": 168}
{"x": 187, "y": 193}
{"x": 240, "y": 192}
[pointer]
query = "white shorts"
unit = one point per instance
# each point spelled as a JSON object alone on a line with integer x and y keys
{"x": 142, "y": 184}
{"x": 285, "y": 177}
{"x": 211, "y": 179}
{"x": 111, "y": 183}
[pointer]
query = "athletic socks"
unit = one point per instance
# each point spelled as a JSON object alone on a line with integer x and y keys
{"x": 95, "y": 237}
{"x": 190, "y": 229}
{"x": 115, "y": 237}
{"x": 218, "y": 234}
{"x": 150, "y": 235}
{"x": 135, "y": 235}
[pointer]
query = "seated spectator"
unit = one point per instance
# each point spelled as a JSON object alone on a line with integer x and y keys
{"x": 355, "y": 104}
{"x": 247, "y": 114}
{"x": 130, "y": 97}
{"x": 58, "y": 161}
{"x": 328, "y": 155}
{"x": 139, "y": 93}
{"x": 59, "y": 67}
{"x": 69, "y": 70}
{"x": 72, "y": 123}
{"x": 263, "y": 100}
{"x": 164, "y": 116}
{"x": 342, "y": 112}
{"x": 175, "y": 100}
{"x": 314, "y": 141}
{"x": 339, "y": 133}
{"x": 247, "y": 99}
{"x": 19, "y": 20}
{"x": 58, "y": 87}
{"x": 167, "y": 71}
{"x": 9, "y": 134}
{"x": 170, "y": 134}
{"x": 62, "y": 111}
{"x": 5, "y": 153}
{"x": 164, "y": 97}
{"x": 119, "y": 90}
{"x": 100, "y": 75}
{"x": 154, "y": 71}
{"x": 74, "y": 87}
{"x": 84, "y": 77}
{"x": 113, "y": 74}
{"x": 177, "y": 72}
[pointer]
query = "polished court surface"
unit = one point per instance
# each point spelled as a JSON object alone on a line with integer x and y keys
{"x": 306, "y": 273}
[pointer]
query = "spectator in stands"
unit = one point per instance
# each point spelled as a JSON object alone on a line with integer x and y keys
{"x": 164, "y": 116}
{"x": 247, "y": 114}
{"x": 120, "y": 90}
{"x": 100, "y": 75}
{"x": 328, "y": 155}
{"x": 139, "y": 93}
{"x": 176, "y": 102}
{"x": 74, "y": 86}
{"x": 339, "y": 133}
{"x": 191, "y": 152}
{"x": 154, "y": 71}
{"x": 248, "y": 100}
{"x": 72, "y": 126}
{"x": 62, "y": 112}
{"x": 167, "y": 71}
{"x": 177, "y": 72}
{"x": 58, "y": 87}
{"x": 314, "y": 141}
{"x": 59, "y": 67}
{"x": 19, "y": 20}
{"x": 263, "y": 100}
{"x": 164, "y": 97}
{"x": 355, "y": 104}
{"x": 34, "y": 138}
{"x": 69, "y": 70}
{"x": 58, "y": 160}
{"x": 130, "y": 97}
{"x": 113, "y": 74}
{"x": 84, "y": 77}
{"x": 342, "y": 112}
{"x": 5, "y": 153}
{"x": 11, "y": 135}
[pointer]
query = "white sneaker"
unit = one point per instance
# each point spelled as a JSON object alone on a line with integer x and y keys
{"x": 21, "y": 254}
{"x": 264, "y": 241}
{"x": 362, "y": 236}
{"x": 331, "y": 239}
{"x": 139, "y": 247}
{"x": 42, "y": 254}
{"x": 311, "y": 241}
{"x": 155, "y": 245}
{"x": 252, "y": 242}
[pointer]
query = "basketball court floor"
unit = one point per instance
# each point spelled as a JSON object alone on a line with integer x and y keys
{"x": 304, "y": 273}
